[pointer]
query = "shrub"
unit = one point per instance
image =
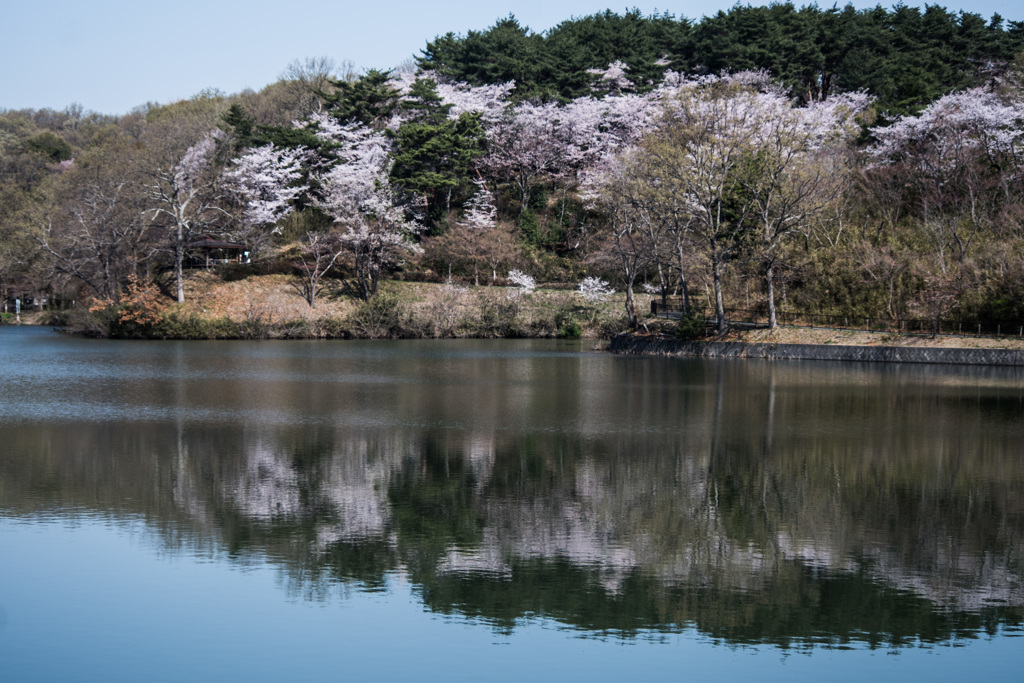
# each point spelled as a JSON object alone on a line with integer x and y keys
{"x": 692, "y": 325}
{"x": 499, "y": 317}
{"x": 89, "y": 323}
{"x": 175, "y": 325}
{"x": 380, "y": 317}
{"x": 445, "y": 312}
{"x": 569, "y": 328}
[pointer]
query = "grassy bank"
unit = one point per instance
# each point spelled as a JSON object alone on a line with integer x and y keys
{"x": 271, "y": 307}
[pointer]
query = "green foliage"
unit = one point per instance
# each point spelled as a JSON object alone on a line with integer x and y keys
{"x": 554, "y": 65}
{"x": 568, "y": 326}
{"x": 295, "y": 225}
{"x": 539, "y": 195}
{"x": 242, "y": 124}
{"x": 83, "y": 322}
{"x": 234, "y": 272}
{"x": 1004, "y": 310}
{"x": 175, "y": 325}
{"x": 905, "y": 56}
{"x": 692, "y": 325}
{"x": 505, "y": 52}
{"x": 434, "y": 153}
{"x": 369, "y": 100}
{"x": 249, "y": 134}
{"x": 530, "y": 228}
{"x": 434, "y": 505}
{"x": 51, "y": 146}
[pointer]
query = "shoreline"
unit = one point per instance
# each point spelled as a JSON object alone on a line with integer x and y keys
{"x": 740, "y": 345}
{"x": 781, "y": 345}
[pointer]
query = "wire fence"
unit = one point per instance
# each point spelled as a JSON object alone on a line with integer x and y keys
{"x": 672, "y": 307}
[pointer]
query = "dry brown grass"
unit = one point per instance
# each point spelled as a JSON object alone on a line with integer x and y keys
{"x": 426, "y": 309}
{"x": 272, "y": 298}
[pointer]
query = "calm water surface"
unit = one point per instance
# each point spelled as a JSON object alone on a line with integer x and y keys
{"x": 501, "y": 510}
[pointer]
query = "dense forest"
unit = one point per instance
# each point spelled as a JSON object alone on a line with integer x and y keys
{"x": 840, "y": 161}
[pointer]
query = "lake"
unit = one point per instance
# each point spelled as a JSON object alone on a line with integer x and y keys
{"x": 501, "y": 510}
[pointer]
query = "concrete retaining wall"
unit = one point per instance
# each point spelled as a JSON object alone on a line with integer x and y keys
{"x": 658, "y": 346}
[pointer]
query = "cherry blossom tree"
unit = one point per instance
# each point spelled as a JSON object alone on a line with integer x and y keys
{"x": 489, "y": 101}
{"x": 594, "y": 290}
{"x": 371, "y": 217}
{"x": 267, "y": 180}
{"x": 696, "y": 154}
{"x": 522, "y": 146}
{"x": 525, "y": 284}
{"x": 379, "y": 238}
{"x": 187, "y": 198}
{"x": 962, "y": 159}
{"x": 359, "y": 165}
{"x": 480, "y": 212}
{"x": 612, "y": 79}
{"x": 731, "y": 165}
{"x": 592, "y": 129}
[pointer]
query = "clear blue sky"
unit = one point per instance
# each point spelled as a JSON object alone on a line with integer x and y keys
{"x": 112, "y": 55}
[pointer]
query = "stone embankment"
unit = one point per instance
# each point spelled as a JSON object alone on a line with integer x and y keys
{"x": 666, "y": 346}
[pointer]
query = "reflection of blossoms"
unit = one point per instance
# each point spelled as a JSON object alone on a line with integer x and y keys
{"x": 595, "y": 290}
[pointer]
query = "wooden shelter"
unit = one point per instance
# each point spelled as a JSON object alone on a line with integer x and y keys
{"x": 208, "y": 251}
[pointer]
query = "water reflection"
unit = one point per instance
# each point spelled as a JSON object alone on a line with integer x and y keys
{"x": 794, "y": 504}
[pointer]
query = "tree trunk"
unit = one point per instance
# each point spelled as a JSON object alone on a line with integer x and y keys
{"x": 682, "y": 279}
{"x": 179, "y": 261}
{"x": 719, "y": 303}
{"x": 769, "y": 276}
{"x": 631, "y": 305}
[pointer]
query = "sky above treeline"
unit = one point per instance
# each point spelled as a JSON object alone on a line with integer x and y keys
{"x": 110, "y": 56}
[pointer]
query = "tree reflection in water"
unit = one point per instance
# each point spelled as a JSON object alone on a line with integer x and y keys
{"x": 798, "y": 505}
